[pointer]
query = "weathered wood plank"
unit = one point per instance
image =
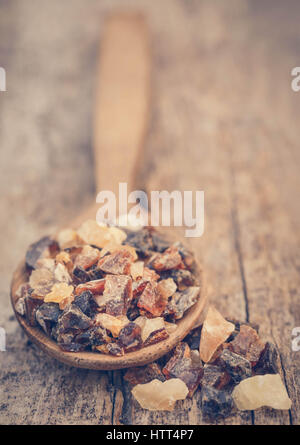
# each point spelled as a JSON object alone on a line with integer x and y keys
{"x": 224, "y": 121}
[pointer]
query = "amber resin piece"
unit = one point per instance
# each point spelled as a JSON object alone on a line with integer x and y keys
{"x": 170, "y": 327}
{"x": 150, "y": 275}
{"x": 58, "y": 292}
{"x": 248, "y": 344}
{"x": 186, "y": 255}
{"x": 112, "y": 324}
{"x": 117, "y": 235}
{"x": 141, "y": 321}
{"x": 68, "y": 238}
{"x": 91, "y": 233}
{"x": 61, "y": 274}
{"x": 138, "y": 287}
{"x": 41, "y": 281}
{"x": 111, "y": 348}
{"x": 63, "y": 257}
{"x": 182, "y": 301}
{"x": 131, "y": 250}
{"x": 170, "y": 259}
{"x": 46, "y": 263}
{"x": 181, "y": 366}
{"x": 117, "y": 263}
{"x": 96, "y": 287}
{"x": 261, "y": 390}
{"x": 117, "y": 294}
{"x": 144, "y": 374}
{"x": 66, "y": 302}
{"x": 87, "y": 258}
{"x": 152, "y": 300}
{"x": 215, "y": 331}
{"x": 137, "y": 270}
{"x": 167, "y": 287}
{"x": 160, "y": 396}
{"x": 153, "y": 330}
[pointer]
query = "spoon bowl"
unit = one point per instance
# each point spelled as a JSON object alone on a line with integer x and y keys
{"x": 96, "y": 360}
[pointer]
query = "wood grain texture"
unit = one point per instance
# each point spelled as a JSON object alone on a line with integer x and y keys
{"x": 224, "y": 120}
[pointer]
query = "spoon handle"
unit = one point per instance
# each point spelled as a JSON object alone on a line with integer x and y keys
{"x": 122, "y": 101}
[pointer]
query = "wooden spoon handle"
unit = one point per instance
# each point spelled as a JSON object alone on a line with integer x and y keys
{"x": 122, "y": 101}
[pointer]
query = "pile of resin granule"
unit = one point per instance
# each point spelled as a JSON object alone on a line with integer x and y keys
{"x": 226, "y": 361}
{"x": 107, "y": 290}
{"x": 113, "y": 291}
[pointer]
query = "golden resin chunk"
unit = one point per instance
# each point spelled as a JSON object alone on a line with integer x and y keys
{"x": 261, "y": 390}
{"x": 214, "y": 332}
{"x": 58, "y": 292}
{"x": 160, "y": 396}
{"x": 111, "y": 323}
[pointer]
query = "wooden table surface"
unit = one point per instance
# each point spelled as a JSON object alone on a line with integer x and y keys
{"x": 224, "y": 120}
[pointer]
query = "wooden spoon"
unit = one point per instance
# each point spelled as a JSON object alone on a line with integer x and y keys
{"x": 122, "y": 107}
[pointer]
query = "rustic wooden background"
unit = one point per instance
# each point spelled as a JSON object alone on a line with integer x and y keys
{"x": 224, "y": 120}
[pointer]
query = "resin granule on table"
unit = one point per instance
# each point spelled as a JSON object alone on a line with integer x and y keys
{"x": 240, "y": 371}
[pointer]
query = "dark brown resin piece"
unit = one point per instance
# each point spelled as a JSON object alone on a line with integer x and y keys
{"x": 73, "y": 319}
{"x": 31, "y": 305}
{"x": 156, "y": 337}
{"x": 215, "y": 403}
{"x": 144, "y": 374}
{"x": 80, "y": 275}
{"x": 141, "y": 241}
{"x": 130, "y": 337}
{"x": 85, "y": 301}
{"x": 44, "y": 247}
{"x": 47, "y": 316}
{"x": 238, "y": 367}
{"x": 182, "y": 277}
{"x": 186, "y": 255}
{"x": 182, "y": 301}
{"x": 115, "y": 349}
{"x": 181, "y": 366}
{"x": 214, "y": 376}
{"x": 268, "y": 361}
